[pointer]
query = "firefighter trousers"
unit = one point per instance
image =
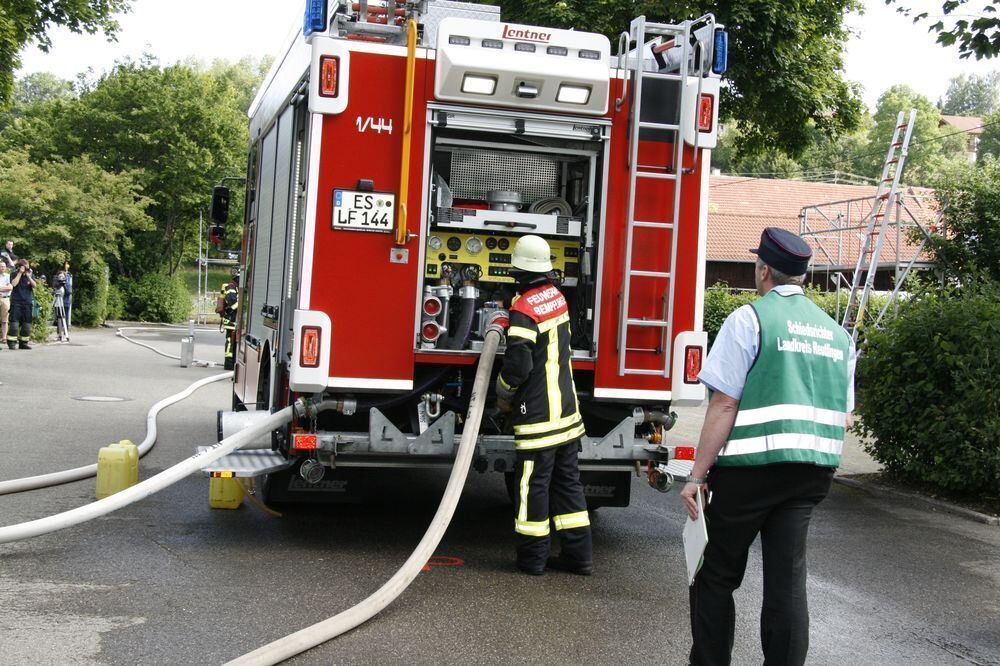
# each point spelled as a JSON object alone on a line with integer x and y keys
{"x": 550, "y": 496}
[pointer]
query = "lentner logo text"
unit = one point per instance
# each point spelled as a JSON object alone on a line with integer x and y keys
{"x": 526, "y": 34}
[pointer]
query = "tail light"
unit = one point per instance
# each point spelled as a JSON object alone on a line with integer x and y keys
{"x": 329, "y": 70}
{"x": 432, "y": 306}
{"x": 706, "y": 108}
{"x": 309, "y": 356}
{"x": 692, "y": 364}
{"x": 430, "y": 331}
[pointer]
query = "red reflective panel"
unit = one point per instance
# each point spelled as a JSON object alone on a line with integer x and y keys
{"x": 705, "y": 109}
{"x": 692, "y": 364}
{"x": 309, "y": 356}
{"x": 304, "y": 442}
{"x": 684, "y": 453}
{"x": 328, "y": 79}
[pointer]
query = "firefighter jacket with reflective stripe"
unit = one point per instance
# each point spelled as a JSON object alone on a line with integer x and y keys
{"x": 537, "y": 367}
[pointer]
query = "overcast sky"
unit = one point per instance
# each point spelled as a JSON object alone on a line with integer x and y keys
{"x": 887, "y": 48}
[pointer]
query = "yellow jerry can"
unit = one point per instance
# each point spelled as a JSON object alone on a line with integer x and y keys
{"x": 225, "y": 492}
{"x": 117, "y": 468}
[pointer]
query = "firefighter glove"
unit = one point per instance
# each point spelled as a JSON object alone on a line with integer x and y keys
{"x": 505, "y": 394}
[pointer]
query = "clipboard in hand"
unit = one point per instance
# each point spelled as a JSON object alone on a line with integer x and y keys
{"x": 695, "y": 538}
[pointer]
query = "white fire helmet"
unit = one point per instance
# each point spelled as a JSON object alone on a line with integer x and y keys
{"x": 532, "y": 254}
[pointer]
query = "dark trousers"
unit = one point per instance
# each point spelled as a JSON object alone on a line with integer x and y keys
{"x": 20, "y": 321}
{"x": 777, "y": 502}
{"x": 550, "y": 495}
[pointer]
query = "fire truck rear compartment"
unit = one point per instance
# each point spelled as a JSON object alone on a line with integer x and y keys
{"x": 487, "y": 189}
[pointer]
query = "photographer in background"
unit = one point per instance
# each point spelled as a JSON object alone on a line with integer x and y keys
{"x": 60, "y": 287}
{"x": 23, "y": 283}
{"x": 7, "y": 256}
{"x": 5, "y": 290}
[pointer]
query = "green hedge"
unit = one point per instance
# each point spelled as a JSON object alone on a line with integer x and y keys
{"x": 156, "y": 297}
{"x": 116, "y": 303}
{"x": 929, "y": 391}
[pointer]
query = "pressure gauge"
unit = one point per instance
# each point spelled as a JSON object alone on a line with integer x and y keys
{"x": 474, "y": 245}
{"x": 434, "y": 243}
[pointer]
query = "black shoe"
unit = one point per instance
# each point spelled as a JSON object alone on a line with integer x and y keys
{"x": 531, "y": 570}
{"x": 23, "y": 345}
{"x": 579, "y": 568}
{"x": 11, "y": 345}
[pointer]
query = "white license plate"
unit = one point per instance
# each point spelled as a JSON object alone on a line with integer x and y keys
{"x": 363, "y": 211}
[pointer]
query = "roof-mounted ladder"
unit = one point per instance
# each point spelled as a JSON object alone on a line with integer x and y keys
{"x": 639, "y": 32}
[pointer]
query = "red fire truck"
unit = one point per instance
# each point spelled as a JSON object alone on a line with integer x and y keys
{"x": 397, "y": 152}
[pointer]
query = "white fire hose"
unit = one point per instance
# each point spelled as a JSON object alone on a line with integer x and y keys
{"x": 77, "y": 473}
{"x": 310, "y": 637}
{"x": 162, "y": 329}
{"x": 158, "y": 482}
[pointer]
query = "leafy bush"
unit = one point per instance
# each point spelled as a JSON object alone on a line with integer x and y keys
{"x": 156, "y": 297}
{"x": 116, "y": 303}
{"x": 90, "y": 294}
{"x": 41, "y": 325}
{"x": 719, "y": 303}
{"x": 929, "y": 391}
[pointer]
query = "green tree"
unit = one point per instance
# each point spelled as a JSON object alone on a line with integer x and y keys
{"x": 177, "y": 129}
{"x": 976, "y": 31}
{"x": 989, "y": 140}
{"x": 970, "y": 250}
{"x": 972, "y": 95}
{"x": 931, "y": 152}
{"x": 25, "y": 21}
{"x": 786, "y": 66}
{"x": 70, "y": 211}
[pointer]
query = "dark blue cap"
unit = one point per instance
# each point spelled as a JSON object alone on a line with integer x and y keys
{"x": 782, "y": 250}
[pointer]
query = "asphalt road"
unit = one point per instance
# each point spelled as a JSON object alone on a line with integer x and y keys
{"x": 170, "y": 581}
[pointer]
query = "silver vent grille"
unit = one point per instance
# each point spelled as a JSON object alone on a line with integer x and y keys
{"x": 476, "y": 173}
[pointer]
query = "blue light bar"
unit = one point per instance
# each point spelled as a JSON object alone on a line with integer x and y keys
{"x": 315, "y": 19}
{"x": 720, "y": 58}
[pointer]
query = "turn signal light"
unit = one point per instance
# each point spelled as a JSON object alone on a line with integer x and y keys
{"x": 705, "y": 108}
{"x": 329, "y": 68}
{"x": 692, "y": 364}
{"x": 309, "y": 356}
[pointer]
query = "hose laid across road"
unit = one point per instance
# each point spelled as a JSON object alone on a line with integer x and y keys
{"x": 87, "y": 471}
{"x": 310, "y": 637}
{"x": 156, "y": 483}
{"x": 161, "y": 329}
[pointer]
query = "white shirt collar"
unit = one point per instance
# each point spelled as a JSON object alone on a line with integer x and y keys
{"x": 788, "y": 289}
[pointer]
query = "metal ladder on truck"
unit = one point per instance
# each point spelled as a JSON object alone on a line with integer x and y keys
{"x": 878, "y": 221}
{"x": 639, "y": 31}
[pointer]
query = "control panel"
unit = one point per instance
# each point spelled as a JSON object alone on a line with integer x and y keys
{"x": 492, "y": 253}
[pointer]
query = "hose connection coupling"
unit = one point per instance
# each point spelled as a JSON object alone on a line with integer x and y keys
{"x": 665, "y": 419}
{"x": 497, "y": 320}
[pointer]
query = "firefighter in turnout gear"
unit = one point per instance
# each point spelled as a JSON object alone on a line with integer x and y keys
{"x": 229, "y": 300}
{"x": 536, "y": 386}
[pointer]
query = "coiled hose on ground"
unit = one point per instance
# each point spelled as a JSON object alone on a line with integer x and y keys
{"x": 328, "y": 629}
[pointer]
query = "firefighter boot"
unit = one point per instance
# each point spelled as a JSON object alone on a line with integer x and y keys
{"x": 23, "y": 344}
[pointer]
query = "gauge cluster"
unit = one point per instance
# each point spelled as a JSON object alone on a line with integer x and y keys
{"x": 492, "y": 254}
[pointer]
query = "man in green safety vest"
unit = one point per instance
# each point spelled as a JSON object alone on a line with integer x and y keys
{"x": 782, "y": 374}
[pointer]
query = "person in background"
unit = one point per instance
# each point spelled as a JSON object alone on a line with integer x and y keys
{"x": 7, "y": 255}
{"x": 226, "y": 306}
{"x": 782, "y": 373}
{"x": 68, "y": 295}
{"x": 23, "y": 283}
{"x": 5, "y": 290}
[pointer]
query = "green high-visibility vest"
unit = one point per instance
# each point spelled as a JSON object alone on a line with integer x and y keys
{"x": 794, "y": 402}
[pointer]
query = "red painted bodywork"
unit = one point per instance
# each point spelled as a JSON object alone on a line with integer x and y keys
{"x": 371, "y": 301}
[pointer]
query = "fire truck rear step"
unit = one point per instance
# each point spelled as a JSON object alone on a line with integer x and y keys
{"x": 247, "y": 464}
